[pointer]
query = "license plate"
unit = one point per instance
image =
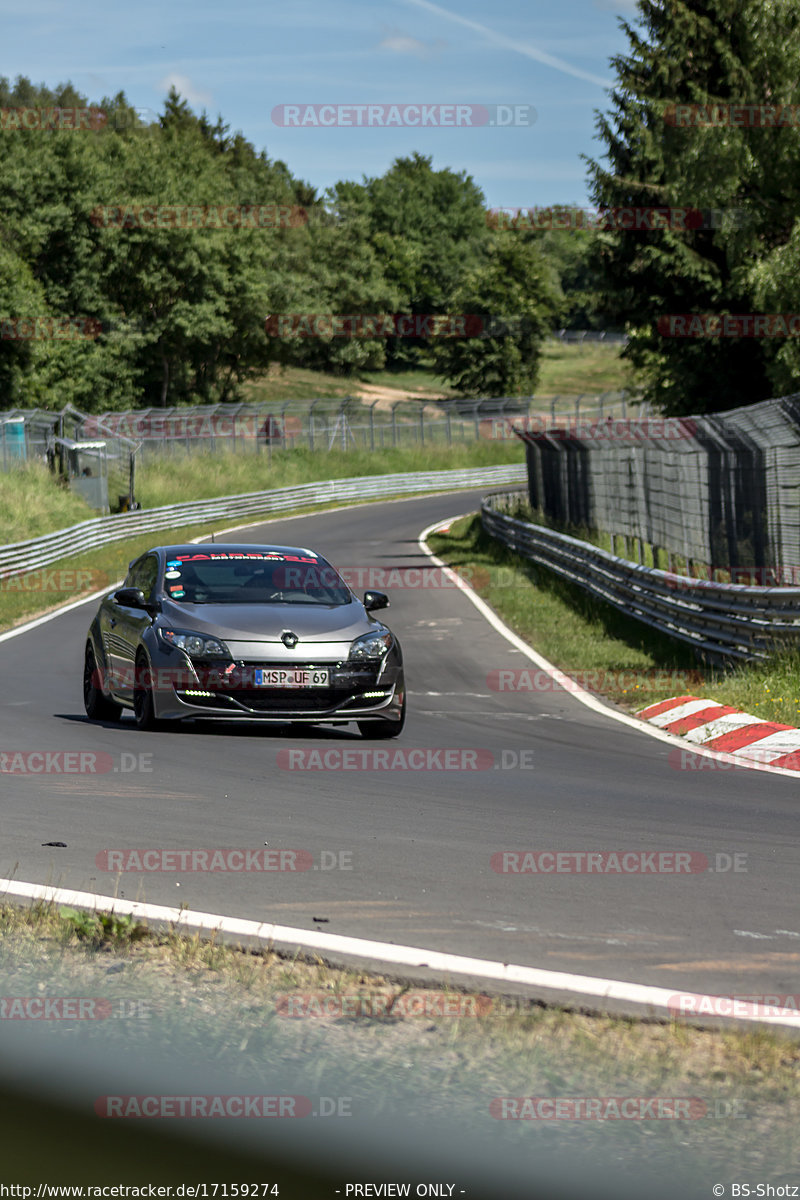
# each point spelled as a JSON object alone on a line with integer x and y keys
{"x": 283, "y": 678}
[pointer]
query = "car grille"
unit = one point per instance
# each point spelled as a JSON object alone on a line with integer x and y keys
{"x": 348, "y": 682}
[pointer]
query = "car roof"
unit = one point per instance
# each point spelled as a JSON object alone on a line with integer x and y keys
{"x": 229, "y": 548}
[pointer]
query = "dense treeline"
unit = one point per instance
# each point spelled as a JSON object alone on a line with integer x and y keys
{"x": 168, "y": 315}
{"x": 704, "y": 120}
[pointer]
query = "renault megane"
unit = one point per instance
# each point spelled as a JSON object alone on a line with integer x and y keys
{"x": 242, "y": 632}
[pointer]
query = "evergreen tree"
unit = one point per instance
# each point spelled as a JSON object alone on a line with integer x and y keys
{"x": 707, "y": 53}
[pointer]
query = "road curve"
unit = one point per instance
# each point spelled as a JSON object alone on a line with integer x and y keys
{"x": 416, "y": 845}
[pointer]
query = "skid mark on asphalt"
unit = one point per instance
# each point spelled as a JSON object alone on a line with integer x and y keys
{"x": 493, "y": 713}
{"x": 611, "y": 938}
{"x": 757, "y": 963}
{"x": 100, "y": 785}
{"x": 362, "y": 906}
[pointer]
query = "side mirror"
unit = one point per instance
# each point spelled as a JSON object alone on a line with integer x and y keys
{"x": 375, "y": 600}
{"x": 130, "y": 598}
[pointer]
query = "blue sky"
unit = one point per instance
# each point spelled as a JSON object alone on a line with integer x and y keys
{"x": 241, "y": 58}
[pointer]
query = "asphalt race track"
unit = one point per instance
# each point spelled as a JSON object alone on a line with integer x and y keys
{"x": 418, "y": 842}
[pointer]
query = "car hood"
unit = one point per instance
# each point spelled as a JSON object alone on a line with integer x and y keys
{"x": 266, "y": 622}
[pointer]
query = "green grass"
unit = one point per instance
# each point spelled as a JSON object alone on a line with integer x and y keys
{"x": 192, "y": 996}
{"x": 282, "y": 384}
{"x": 30, "y": 595}
{"x": 591, "y": 368}
{"x": 608, "y": 652}
{"x": 202, "y": 476}
{"x": 771, "y": 691}
{"x": 32, "y": 503}
{"x": 564, "y": 370}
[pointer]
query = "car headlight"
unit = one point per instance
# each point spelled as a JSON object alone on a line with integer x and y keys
{"x": 196, "y": 645}
{"x": 371, "y": 645}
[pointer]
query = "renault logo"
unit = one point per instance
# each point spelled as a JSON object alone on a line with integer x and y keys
{"x": 289, "y": 639}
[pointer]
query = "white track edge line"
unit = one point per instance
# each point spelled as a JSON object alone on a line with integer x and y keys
{"x": 409, "y": 956}
{"x": 569, "y": 684}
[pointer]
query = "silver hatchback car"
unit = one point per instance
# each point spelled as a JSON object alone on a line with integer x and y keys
{"x": 242, "y": 632}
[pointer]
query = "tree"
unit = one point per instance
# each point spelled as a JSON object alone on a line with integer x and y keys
{"x": 513, "y": 290}
{"x": 698, "y": 53}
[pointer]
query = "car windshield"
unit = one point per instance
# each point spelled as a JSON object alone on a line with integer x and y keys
{"x": 253, "y": 578}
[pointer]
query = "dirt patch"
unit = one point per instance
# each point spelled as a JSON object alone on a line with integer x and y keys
{"x": 387, "y": 396}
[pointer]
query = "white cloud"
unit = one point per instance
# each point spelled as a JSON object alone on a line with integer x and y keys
{"x": 184, "y": 85}
{"x": 403, "y": 43}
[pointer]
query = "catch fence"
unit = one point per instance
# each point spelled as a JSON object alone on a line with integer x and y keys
{"x": 721, "y": 492}
{"x": 342, "y": 424}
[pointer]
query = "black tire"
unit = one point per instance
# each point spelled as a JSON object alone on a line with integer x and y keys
{"x": 98, "y": 706}
{"x": 380, "y": 730}
{"x": 144, "y": 712}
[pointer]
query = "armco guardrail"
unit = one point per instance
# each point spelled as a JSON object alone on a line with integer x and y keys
{"x": 720, "y": 620}
{"x": 91, "y": 535}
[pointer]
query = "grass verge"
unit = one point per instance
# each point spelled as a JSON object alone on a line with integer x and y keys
{"x": 194, "y": 477}
{"x": 33, "y": 503}
{"x": 418, "y": 1054}
{"x": 575, "y": 369}
{"x": 607, "y": 652}
{"x": 203, "y": 476}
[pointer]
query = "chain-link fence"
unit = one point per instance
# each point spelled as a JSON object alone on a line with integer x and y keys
{"x": 582, "y": 336}
{"x": 722, "y": 491}
{"x": 99, "y": 466}
{"x": 96, "y": 454}
{"x": 340, "y": 424}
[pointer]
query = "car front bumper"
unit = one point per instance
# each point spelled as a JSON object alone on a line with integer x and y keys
{"x": 355, "y": 692}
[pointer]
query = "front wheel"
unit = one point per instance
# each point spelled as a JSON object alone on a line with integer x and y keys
{"x": 98, "y": 706}
{"x": 144, "y": 709}
{"x": 380, "y": 730}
